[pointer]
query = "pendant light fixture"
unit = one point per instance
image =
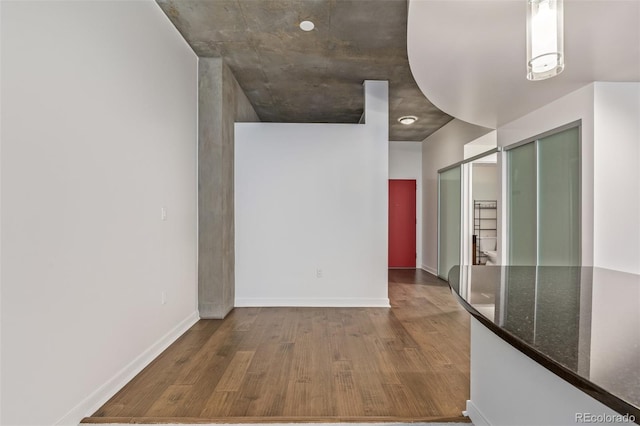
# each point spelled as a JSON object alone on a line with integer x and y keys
{"x": 545, "y": 39}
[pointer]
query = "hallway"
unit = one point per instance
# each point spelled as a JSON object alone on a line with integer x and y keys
{"x": 407, "y": 363}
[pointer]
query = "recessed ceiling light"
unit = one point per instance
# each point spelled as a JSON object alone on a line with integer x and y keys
{"x": 408, "y": 119}
{"x": 307, "y": 25}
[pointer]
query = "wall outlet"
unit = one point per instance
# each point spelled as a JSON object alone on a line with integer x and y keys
{"x": 318, "y": 273}
{"x": 163, "y": 297}
{"x": 163, "y": 213}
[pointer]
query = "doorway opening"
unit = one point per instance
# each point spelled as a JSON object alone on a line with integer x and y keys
{"x": 483, "y": 196}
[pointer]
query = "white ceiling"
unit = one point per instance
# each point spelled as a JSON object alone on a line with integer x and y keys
{"x": 468, "y": 56}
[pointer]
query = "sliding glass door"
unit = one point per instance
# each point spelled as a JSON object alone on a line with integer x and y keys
{"x": 559, "y": 199}
{"x": 449, "y": 220}
{"x": 544, "y": 201}
{"x": 522, "y": 205}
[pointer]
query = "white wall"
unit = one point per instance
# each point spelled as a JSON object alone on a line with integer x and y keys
{"x": 98, "y": 133}
{"x": 441, "y": 149}
{"x": 312, "y": 197}
{"x": 575, "y": 106}
{"x": 482, "y": 144}
{"x": 485, "y": 181}
{"x": 616, "y": 203}
{"x": 405, "y": 162}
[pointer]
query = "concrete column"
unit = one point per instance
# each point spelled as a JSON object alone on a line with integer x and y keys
{"x": 215, "y": 227}
{"x": 220, "y": 103}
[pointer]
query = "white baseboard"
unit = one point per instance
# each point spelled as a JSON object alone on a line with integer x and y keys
{"x": 430, "y": 270}
{"x": 314, "y": 302}
{"x": 101, "y": 395}
{"x": 476, "y": 415}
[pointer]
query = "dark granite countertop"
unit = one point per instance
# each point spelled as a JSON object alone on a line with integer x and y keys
{"x": 583, "y": 324}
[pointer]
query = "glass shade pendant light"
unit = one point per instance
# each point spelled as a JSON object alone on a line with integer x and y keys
{"x": 545, "y": 39}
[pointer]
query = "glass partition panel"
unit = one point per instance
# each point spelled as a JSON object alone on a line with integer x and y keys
{"x": 559, "y": 199}
{"x": 522, "y": 205}
{"x": 449, "y": 221}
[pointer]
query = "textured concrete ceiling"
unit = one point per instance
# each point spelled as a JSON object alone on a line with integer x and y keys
{"x": 294, "y": 76}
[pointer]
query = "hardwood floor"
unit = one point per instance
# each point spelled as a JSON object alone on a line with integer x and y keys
{"x": 407, "y": 363}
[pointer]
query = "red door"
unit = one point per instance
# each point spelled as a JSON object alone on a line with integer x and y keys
{"x": 402, "y": 223}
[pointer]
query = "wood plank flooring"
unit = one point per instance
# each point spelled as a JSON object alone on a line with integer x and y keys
{"x": 407, "y": 363}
